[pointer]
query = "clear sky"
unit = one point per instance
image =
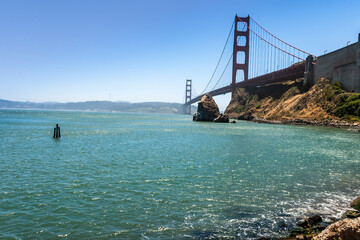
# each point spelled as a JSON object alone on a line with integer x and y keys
{"x": 133, "y": 50}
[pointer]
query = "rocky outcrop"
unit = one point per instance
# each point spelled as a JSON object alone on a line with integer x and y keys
{"x": 222, "y": 118}
{"x": 315, "y": 228}
{"x": 308, "y": 228}
{"x": 208, "y": 110}
{"x": 351, "y": 214}
{"x": 196, "y": 116}
{"x": 356, "y": 204}
{"x": 310, "y": 222}
{"x": 347, "y": 229}
{"x": 246, "y": 116}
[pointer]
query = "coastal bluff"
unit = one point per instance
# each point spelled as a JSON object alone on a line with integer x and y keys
{"x": 208, "y": 111}
{"x": 323, "y": 104}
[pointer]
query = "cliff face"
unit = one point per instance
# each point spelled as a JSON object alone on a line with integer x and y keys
{"x": 322, "y": 102}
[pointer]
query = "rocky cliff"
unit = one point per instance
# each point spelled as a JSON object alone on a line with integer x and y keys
{"x": 322, "y": 104}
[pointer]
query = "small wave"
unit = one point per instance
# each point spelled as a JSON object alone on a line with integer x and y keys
{"x": 63, "y": 235}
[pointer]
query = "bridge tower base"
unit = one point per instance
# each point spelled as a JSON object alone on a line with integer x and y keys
{"x": 309, "y": 73}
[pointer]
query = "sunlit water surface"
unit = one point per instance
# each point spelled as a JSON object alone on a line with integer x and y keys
{"x": 147, "y": 176}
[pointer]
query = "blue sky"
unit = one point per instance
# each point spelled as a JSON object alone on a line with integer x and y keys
{"x": 139, "y": 51}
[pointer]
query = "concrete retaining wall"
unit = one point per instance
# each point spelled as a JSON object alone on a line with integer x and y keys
{"x": 342, "y": 65}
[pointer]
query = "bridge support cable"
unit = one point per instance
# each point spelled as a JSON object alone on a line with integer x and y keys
{"x": 306, "y": 53}
{"x": 269, "y": 53}
{"x": 239, "y": 42}
{"x": 194, "y": 92}
{"x": 222, "y": 74}
{"x": 222, "y": 53}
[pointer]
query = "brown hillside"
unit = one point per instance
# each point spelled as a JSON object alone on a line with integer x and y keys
{"x": 321, "y": 102}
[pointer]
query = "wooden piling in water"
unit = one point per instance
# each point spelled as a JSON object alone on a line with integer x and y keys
{"x": 57, "y": 131}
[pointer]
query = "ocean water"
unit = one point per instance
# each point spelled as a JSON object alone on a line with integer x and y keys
{"x": 148, "y": 176}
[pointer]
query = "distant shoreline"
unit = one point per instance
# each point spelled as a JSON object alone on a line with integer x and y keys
{"x": 99, "y": 106}
{"x": 86, "y": 111}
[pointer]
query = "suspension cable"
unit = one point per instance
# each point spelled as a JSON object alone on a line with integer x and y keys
{"x": 271, "y": 43}
{"x": 279, "y": 38}
{"x": 232, "y": 55}
{"x": 223, "y": 71}
{"x": 222, "y": 53}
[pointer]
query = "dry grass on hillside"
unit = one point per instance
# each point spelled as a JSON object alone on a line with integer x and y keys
{"x": 321, "y": 102}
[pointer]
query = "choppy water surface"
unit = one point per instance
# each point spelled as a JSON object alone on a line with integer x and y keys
{"x": 144, "y": 176}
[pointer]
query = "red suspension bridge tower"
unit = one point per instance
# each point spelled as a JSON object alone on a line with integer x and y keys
{"x": 188, "y": 88}
{"x": 238, "y": 63}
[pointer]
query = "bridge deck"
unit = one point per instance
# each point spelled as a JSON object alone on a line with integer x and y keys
{"x": 286, "y": 74}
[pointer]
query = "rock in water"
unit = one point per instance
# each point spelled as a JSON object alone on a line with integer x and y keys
{"x": 222, "y": 118}
{"x": 310, "y": 222}
{"x": 196, "y": 116}
{"x": 208, "y": 110}
{"x": 356, "y": 204}
{"x": 351, "y": 214}
{"x": 347, "y": 229}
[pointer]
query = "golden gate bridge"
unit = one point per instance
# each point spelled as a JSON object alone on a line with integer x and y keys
{"x": 258, "y": 58}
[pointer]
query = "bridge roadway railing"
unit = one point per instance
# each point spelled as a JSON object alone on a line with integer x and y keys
{"x": 291, "y": 73}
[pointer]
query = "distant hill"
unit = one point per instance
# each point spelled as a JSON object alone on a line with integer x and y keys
{"x": 107, "y": 106}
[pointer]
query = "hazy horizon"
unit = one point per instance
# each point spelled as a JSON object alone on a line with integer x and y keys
{"x": 122, "y": 101}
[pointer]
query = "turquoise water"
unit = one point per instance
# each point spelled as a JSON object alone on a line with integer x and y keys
{"x": 146, "y": 176}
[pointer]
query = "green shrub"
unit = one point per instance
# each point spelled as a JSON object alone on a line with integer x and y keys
{"x": 250, "y": 98}
{"x": 240, "y": 109}
{"x": 338, "y": 86}
{"x": 342, "y": 99}
{"x": 329, "y": 92}
{"x": 350, "y": 118}
{"x": 353, "y": 97}
{"x": 350, "y": 107}
{"x": 258, "y": 105}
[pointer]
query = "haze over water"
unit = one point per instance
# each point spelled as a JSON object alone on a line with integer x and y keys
{"x": 148, "y": 176}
